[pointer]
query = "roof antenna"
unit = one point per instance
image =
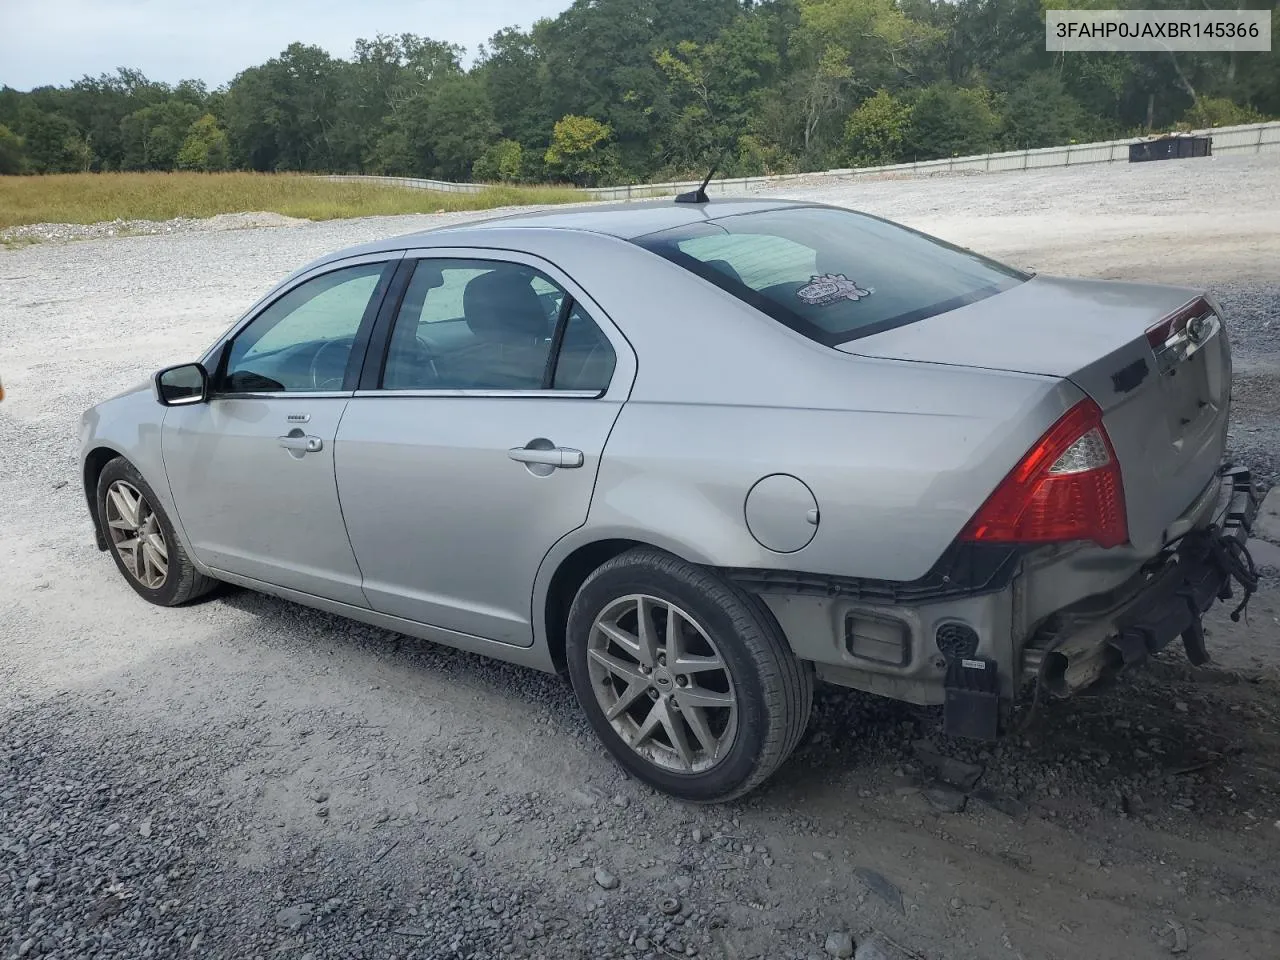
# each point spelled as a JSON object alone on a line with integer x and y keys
{"x": 699, "y": 195}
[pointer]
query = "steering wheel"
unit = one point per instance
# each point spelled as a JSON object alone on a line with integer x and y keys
{"x": 427, "y": 356}
{"x": 328, "y": 383}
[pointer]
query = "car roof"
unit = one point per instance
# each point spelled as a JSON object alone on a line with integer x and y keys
{"x": 625, "y": 221}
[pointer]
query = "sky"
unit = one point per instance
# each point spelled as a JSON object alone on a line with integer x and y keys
{"x": 54, "y": 42}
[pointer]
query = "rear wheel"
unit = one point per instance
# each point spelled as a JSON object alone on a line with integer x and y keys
{"x": 686, "y": 679}
{"x": 142, "y": 540}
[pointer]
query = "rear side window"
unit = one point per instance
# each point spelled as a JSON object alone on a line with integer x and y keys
{"x": 493, "y": 325}
{"x": 832, "y": 275}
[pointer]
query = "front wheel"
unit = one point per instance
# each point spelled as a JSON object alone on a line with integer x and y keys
{"x": 142, "y": 541}
{"x": 686, "y": 679}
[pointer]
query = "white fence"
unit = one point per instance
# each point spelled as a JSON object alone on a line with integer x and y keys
{"x": 1248, "y": 138}
{"x": 414, "y": 183}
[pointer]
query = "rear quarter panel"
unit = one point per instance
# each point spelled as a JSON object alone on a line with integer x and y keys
{"x": 894, "y": 486}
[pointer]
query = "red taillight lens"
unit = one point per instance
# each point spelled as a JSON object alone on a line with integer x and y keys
{"x": 1067, "y": 487}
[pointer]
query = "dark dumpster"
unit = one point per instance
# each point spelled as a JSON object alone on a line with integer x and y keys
{"x": 1173, "y": 147}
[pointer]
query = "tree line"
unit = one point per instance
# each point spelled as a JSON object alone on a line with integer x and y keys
{"x": 615, "y": 91}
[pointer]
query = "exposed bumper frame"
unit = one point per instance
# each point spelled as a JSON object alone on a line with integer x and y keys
{"x": 1075, "y": 645}
{"x": 1166, "y": 600}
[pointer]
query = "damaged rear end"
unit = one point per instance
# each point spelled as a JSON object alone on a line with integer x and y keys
{"x": 1129, "y": 525}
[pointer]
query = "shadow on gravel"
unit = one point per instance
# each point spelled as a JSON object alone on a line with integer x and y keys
{"x": 1171, "y": 745}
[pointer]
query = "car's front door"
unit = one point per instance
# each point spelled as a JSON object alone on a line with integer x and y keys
{"x": 476, "y": 447}
{"x": 251, "y": 470}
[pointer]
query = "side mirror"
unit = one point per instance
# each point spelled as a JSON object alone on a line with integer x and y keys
{"x": 181, "y": 385}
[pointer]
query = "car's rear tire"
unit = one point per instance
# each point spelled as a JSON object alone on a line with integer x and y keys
{"x": 142, "y": 541}
{"x": 706, "y": 713}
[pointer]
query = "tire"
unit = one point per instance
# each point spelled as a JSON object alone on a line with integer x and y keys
{"x": 181, "y": 582}
{"x": 720, "y": 730}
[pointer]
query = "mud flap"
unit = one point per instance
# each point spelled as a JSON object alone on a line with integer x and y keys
{"x": 972, "y": 705}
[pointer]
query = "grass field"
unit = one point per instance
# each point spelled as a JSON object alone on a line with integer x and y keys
{"x": 97, "y": 197}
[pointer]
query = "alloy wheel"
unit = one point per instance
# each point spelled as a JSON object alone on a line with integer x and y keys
{"x": 136, "y": 535}
{"x": 662, "y": 683}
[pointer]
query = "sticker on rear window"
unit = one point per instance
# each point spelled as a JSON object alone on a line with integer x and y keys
{"x": 828, "y": 288}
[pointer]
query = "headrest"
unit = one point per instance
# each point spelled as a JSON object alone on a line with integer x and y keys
{"x": 725, "y": 267}
{"x": 502, "y": 305}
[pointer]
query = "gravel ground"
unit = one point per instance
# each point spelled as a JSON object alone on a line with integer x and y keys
{"x": 45, "y": 232}
{"x": 246, "y": 778}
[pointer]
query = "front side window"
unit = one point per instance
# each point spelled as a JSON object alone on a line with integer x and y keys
{"x": 492, "y": 325}
{"x": 832, "y": 275}
{"x": 302, "y": 342}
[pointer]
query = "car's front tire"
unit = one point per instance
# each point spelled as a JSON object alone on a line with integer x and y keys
{"x": 687, "y": 680}
{"x": 142, "y": 540}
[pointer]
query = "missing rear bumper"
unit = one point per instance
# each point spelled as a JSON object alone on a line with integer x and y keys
{"x": 1096, "y": 638}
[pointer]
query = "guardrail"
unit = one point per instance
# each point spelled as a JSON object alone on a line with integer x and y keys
{"x": 412, "y": 183}
{"x": 1246, "y": 138}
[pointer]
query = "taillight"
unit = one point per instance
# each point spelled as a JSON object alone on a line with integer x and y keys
{"x": 1067, "y": 487}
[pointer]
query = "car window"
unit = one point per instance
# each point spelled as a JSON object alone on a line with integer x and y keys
{"x": 303, "y": 340}
{"x": 832, "y": 275}
{"x": 476, "y": 325}
{"x": 586, "y": 358}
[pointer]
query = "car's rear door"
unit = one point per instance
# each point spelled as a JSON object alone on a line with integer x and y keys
{"x": 251, "y": 470}
{"x": 473, "y": 445}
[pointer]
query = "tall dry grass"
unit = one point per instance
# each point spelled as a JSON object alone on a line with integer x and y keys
{"x": 97, "y": 197}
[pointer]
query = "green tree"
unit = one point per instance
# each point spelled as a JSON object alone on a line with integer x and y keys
{"x": 387, "y": 75}
{"x": 392, "y": 155}
{"x": 281, "y": 115}
{"x": 951, "y": 122}
{"x": 153, "y": 136}
{"x": 54, "y": 144}
{"x": 514, "y": 73}
{"x": 845, "y": 49}
{"x": 757, "y": 157}
{"x": 1218, "y": 112}
{"x": 12, "y": 153}
{"x": 598, "y": 58}
{"x": 756, "y": 85}
{"x": 1040, "y": 113}
{"x": 460, "y": 124}
{"x": 205, "y": 146}
{"x": 580, "y": 150}
{"x": 99, "y": 105}
{"x": 874, "y": 133}
{"x": 11, "y": 102}
{"x": 714, "y": 89}
{"x": 501, "y": 161}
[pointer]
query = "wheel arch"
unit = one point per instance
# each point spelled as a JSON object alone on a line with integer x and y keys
{"x": 94, "y": 462}
{"x": 567, "y": 567}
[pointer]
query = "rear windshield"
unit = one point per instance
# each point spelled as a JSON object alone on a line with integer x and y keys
{"x": 832, "y": 275}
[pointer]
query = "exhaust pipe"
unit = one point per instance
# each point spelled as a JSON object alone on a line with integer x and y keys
{"x": 1068, "y": 671}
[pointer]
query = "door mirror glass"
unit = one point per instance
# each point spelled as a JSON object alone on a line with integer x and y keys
{"x": 187, "y": 383}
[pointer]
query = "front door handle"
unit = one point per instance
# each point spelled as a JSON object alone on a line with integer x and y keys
{"x": 302, "y": 443}
{"x": 551, "y": 457}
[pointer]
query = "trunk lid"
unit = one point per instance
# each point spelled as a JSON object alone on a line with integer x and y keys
{"x": 1164, "y": 403}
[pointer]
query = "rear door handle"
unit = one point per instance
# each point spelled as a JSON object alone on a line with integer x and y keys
{"x": 302, "y": 444}
{"x": 554, "y": 457}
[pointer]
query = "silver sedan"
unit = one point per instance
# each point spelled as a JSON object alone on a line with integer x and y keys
{"x": 698, "y": 456}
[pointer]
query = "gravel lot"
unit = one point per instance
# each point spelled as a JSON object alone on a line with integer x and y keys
{"x": 247, "y": 778}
